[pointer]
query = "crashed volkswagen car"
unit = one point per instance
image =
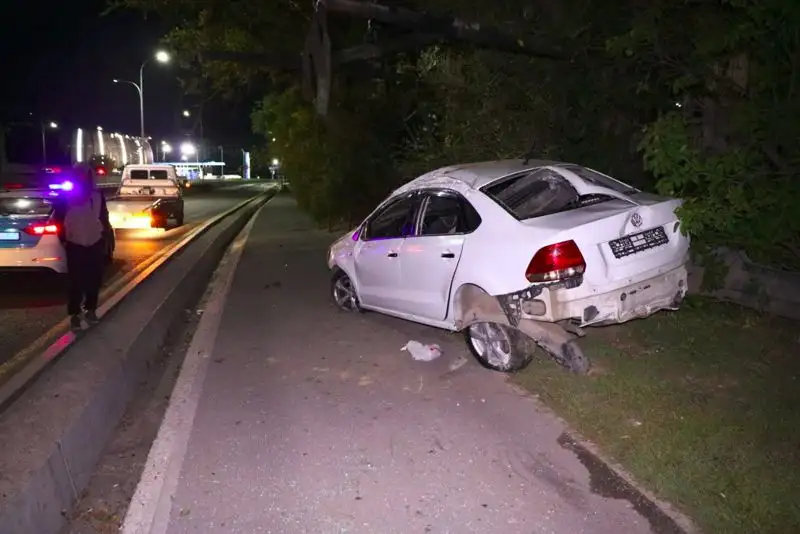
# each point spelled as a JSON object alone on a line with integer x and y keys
{"x": 517, "y": 255}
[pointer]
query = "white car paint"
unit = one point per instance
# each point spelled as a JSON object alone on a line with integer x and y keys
{"x": 410, "y": 277}
{"x": 18, "y": 250}
{"x": 130, "y": 208}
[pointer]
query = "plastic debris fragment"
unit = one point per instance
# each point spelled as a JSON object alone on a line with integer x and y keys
{"x": 422, "y": 353}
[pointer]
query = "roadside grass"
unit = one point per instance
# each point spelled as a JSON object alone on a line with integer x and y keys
{"x": 701, "y": 406}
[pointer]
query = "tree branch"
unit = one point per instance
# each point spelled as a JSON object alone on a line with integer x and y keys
{"x": 447, "y": 27}
{"x": 348, "y": 55}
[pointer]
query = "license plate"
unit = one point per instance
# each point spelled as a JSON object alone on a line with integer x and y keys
{"x": 9, "y": 236}
{"x": 633, "y": 244}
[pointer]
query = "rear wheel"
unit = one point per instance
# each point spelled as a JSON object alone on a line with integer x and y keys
{"x": 343, "y": 292}
{"x": 500, "y": 347}
{"x": 179, "y": 218}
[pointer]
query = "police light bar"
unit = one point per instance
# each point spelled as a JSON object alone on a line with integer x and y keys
{"x": 63, "y": 186}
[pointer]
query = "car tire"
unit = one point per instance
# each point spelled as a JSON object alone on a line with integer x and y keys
{"x": 499, "y": 347}
{"x": 179, "y": 219}
{"x": 343, "y": 293}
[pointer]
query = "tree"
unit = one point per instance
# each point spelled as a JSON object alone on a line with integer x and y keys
{"x": 704, "y": 89}
{"x": 728, "y": 142}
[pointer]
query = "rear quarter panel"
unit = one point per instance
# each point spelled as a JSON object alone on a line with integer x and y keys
{"x": 495, "y": 256}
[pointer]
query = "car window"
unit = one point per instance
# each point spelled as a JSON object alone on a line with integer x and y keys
{"x": 600, "y": 179}
{"x": 448, "y": 214}
{"x": 20, "y": 206}
{"x": 395, "y": 220}
{"x": 534, "y": 194}
{"x": 139, "y": 174}
{"x": 159, "y": 174}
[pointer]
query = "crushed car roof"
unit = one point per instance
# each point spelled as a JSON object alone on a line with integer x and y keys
{"x": 474, "y": 175}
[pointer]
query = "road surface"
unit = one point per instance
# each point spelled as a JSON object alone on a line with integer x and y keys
{"x": 311, "y": 420}
{"x": 30, "y": 304}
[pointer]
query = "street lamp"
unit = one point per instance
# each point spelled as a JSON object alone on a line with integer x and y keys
{"x": 275, "y": 162}
{"x": 52, "y": 125}
{"x": 186, "y": 113}
{"x": 165, "y": 149}
{"x": 161, "y": 57}
{"x": 188, "y": 149}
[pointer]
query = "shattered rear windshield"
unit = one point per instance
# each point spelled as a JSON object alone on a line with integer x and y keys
{"x": 538, "y": 193}
{"x": 596, "y": 178}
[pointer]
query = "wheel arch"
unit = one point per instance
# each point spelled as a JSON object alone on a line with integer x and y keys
{"x": 472, "y": 304}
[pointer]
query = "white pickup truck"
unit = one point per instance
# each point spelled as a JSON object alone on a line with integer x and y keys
{"x": 148, "y": 197}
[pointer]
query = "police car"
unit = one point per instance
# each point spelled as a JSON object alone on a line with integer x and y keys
{"x": 28, "y": 233}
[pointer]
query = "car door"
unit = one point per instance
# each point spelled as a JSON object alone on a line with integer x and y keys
{"x": 376, "y": 255}
{"x": 429, "y": 259}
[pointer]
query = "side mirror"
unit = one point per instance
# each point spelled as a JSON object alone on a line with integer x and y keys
{"x": 358, "y": 233}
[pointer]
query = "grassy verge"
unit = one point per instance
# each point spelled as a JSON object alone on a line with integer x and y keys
{"x": 701, "y": 406}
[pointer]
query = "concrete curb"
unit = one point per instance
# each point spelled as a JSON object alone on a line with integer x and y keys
{"x": 612, "y": 480}
{"x": 55, "y": 432}
{"x": 151, "y": 505}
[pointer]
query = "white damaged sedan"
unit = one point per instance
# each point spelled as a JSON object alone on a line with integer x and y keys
{"x": 517, "y": 255}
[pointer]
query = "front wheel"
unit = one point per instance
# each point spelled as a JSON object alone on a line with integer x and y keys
{"x": 343, "y": 292}
{"x": 500, "y": 347}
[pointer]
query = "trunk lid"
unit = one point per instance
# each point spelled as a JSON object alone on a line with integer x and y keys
{"x": 17, "y": 214}
{"x": 621, "y": 239}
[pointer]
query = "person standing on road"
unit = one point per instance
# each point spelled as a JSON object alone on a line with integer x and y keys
{"x": 83, "y": 228}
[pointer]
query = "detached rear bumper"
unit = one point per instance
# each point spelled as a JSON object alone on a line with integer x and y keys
{"x": 635, "y": 301}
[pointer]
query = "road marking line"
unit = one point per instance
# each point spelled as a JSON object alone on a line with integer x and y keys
{"x": 151, "y": 505}
{"x": 25, "y": 366}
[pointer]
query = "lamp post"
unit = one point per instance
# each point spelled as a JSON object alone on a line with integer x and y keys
{"x": 161, "y": 57}
{"x": 52, "y": 125}
{"x": 141, "y": 102}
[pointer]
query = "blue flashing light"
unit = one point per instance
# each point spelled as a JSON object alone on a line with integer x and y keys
{"x": 63, "y": 186}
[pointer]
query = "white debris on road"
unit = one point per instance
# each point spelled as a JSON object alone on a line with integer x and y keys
{"x": 422, "y": 353}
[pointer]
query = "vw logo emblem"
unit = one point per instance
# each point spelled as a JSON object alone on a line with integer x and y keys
{"x": 636, "y": 220}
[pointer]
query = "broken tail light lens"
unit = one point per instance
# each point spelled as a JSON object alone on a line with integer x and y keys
{"x": 556, "y": 262}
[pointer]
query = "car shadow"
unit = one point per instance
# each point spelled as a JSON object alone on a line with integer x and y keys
{"x": 30, "y": 290}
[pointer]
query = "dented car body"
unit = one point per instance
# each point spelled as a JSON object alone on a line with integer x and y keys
{"x": 516, "y": 255}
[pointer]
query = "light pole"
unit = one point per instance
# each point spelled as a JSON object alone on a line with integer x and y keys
{"x": 141, "y": 102}
{"x": 52, "y": 125}
{"x": 161, "y": 57}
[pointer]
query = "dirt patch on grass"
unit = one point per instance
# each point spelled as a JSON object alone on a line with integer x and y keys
{"x": 701, "y": 406}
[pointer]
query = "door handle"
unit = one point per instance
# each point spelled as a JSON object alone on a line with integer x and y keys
{"x": 448, "y": 255}
{"x": 392, "y": 254}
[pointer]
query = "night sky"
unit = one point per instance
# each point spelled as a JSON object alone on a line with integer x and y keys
{"x": 59, "y": 59}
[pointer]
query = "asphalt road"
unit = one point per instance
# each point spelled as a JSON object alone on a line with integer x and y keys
{"x": 30, "y": 304}
{"x": 313, "y": 420}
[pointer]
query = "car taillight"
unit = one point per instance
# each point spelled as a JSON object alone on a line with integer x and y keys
{"x": 556, "y": 262}
{"x": 42, "y": 229}
{"x": 101, "y": 171}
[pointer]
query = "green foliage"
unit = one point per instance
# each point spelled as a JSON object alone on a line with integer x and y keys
{"x": 730, "y": 149}
{"x": 337, "y": 174}
{"x": 706, "y": 91}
